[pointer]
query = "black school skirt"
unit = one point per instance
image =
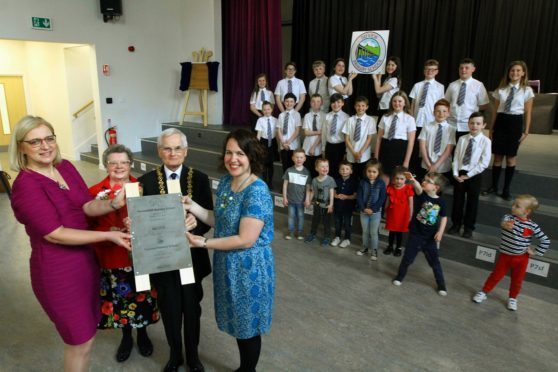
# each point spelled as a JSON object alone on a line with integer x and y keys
{"x": 392, "y": 154}
{"x": 506, "y": 134}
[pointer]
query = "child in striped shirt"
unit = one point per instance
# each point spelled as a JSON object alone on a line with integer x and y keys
{"x": 515, "y": 249}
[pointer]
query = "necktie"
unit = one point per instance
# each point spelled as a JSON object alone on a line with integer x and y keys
{"x": 315, "y": 123}
{"x": 357, "y": 130}
{"x": 317, "y": 87}
{"x": 333, "y": 128}
{"x": 438, "y": 140}
{"x": 262, "y": 96}
{"x": 286, "y": 123}
{"x": 424, "y": 93}
{"x": 173, "y": 176}
{"x": 269, "y": 133}
{"x": 509, "y": 100}
{"x": 461, "y": 96}
{"x": 393, "y": 127}
{"x": 468, "y": 152}
{"x": 289, "y": 86}
{"x": 341, "y": 81}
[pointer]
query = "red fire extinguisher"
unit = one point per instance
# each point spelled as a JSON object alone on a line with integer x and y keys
{"x": 110, "y": 135}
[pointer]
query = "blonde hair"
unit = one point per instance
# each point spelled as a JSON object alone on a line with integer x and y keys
{"x": 532, "y": 202}
{"x": 18, "y": 160}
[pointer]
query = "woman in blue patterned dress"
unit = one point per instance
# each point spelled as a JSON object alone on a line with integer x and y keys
{"x": 243, "y": 264}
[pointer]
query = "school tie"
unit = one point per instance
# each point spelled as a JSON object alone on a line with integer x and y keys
{"x": 507, "y": 108}
{"x": 269, "y": 133}
{"x": 438, "y": 140}
{"x": 173, "y": 176}
{"x": 357, "y": 130}
{"x": 315, "y": 123}
{"x": 289, "y": 86}
{"x": 333, "y": 128}
{"x": 424, "y": 93}
{"x": 262, "y": 96}
{"x": 461, "y": 96}
{"x": 317, "y": 87}
{"x": 468, "y": 152}
{"x": 393, "y": 127}
{"x": 341, "y": 81}
{"x": 286, "y": 124}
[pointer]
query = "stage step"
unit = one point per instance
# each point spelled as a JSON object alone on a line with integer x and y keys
{"x": 204, "y": 150}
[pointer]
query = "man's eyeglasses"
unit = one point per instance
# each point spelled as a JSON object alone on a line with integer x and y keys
{"x": 36, "y": 142}
{"x": 169, "y": 150}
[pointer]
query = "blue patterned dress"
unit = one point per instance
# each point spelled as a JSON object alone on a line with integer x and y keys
{"x": 244, "y": 279}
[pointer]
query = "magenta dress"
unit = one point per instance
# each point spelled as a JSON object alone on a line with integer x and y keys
{"x": 65, "y": 279}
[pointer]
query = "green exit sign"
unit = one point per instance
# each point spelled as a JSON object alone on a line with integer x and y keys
{"x": 41, "y": 23}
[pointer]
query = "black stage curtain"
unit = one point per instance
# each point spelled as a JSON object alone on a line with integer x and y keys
{"x": 492, "y": 32}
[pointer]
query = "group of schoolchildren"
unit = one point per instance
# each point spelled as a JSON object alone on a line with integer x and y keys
{"x": 339, "y": 145}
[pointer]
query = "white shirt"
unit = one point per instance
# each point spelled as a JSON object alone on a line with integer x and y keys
{"x": 282, "y": 88}
{"x": 475, "y": 96}
{"x": 386, "y": 96}
{"x": 480, "y": 157}
{"x": 520, "y": 96}
{"x": 256, "y": 98}
{"x": 338, "y": 136}
{"x": 367, "y": 128}
{"x": 425, "y": 114}
{"x": 405, "y": 124}
{"x": 336, "y": 80}
{"x": 322, "y": 91}
{"x": 428, "y": 134}
{"x": 309, "y": 141}
{"x": 294, "y": 121}
{"x": 262, "y": 124}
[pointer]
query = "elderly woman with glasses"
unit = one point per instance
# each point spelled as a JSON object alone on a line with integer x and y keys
{"x": 51, "y": 199}
{"x": 121, "y": 305}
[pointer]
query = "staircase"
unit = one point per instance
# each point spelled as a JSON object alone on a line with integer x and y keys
{"x": 205, "y": 146}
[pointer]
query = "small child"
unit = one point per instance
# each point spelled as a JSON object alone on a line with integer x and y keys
{"x": 265, "y": 126}
{"x": 260, "y": 94}
{"x": 290, "y": 84}
{"x": 358, "y": 136}
{"x": 323, "y": 187}
{"x": 426, "y": 228}
{"x": 371, "y": 196}
{"x": 344, "y": 204}
{"x": 312, "y": 127}
{"x": 333, "y": 139}
{"x": 471, "y": 158}
{"x": 517, "y": 232}
{"x": 466, "y": 95}
{"x": 296, "y": 193}
{"x": 288, "y": 129}
{"x": 437, "y": 141}
{"x": 319, "y": 85}
{"x": 399, "y": 209}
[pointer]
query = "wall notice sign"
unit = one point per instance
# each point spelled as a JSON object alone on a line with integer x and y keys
{"x": 41, "y": 23}
{"x": 368, "y": 52}
{"x": 485, "y": 254}
{"x": 538, "y": 268}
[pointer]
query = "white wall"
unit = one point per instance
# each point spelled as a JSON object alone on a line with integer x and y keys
{"x": 143, "y": 84}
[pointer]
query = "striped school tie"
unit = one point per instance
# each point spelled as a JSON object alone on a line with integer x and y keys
{"x": 461, "y": 96}
{"x": 393, "y": 127}
{"x": 468, "y": 152}
{"x": 357, "y": 130}
{"x": 315, "y": 123}
{"x": 438, "y": 140}
{"x": 269, "y": 132}
{"x": 333, "y": 128}
{"x": 507, "y": 108}
{"x": 289, "y": 86}
{"x": 317, "y": 87}
{"x": 422, "y": 100}
{"x": 262, "y": 96}
{"x": 286, "y": 124}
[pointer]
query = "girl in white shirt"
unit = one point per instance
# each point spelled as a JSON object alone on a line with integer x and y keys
{"x": 338, "y": 83}
{"x": 387, "y": 85}
{"x": 260, "y": 94}
{"x": 513, "y": 103}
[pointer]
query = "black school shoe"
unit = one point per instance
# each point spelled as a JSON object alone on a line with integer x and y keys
{"x": 388, "y": 250}
{"x": 124, "y": 349}
{"x": 397, "y": 252}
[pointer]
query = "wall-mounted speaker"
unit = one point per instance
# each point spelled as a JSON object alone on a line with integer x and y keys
{"x": 111, "y": 9}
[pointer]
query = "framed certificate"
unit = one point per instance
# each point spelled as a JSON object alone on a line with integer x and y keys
{"x": 158, "y": 232}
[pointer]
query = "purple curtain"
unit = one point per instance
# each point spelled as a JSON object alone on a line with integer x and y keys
{"x": 251, "y": 45}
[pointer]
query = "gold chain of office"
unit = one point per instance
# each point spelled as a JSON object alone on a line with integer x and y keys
{"x": 161, "y": 181}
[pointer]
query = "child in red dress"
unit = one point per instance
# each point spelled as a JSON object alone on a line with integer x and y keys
{"x": 399, "y": 209}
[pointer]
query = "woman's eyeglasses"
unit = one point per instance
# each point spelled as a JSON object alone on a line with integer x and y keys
{"x": 36, "y": 142}
{"x": 123, "y": 163}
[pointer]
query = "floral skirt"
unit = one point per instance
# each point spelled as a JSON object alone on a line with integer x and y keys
{"x": 121, "y": 305}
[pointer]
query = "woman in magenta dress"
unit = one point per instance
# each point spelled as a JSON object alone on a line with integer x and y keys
{"x": 399, "y": 209}
{"x": 51, "y": 199}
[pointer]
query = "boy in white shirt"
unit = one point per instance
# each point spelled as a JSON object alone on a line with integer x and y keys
{"x": 312, "y": 127}
{"x": 288, "y": 129}
{"x": 358, "y": 136}
{"x": 319, "y": 85}
{"x": 265, "y": 126}
{"x": 333, "y": 139}
{"x": 290, "y": 84}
